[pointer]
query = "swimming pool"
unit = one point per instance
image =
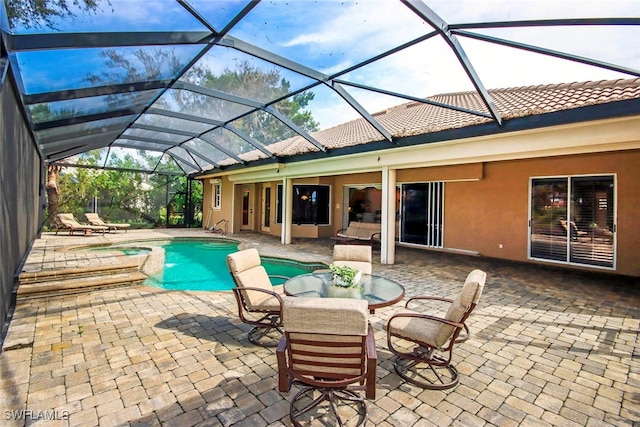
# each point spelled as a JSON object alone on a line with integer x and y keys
{"x": 201, "y": 265}
{"x": 194, "y": 264}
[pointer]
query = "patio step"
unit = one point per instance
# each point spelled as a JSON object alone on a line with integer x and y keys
{"x": 72, "y": 280}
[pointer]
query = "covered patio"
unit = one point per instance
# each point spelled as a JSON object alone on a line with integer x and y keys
{"x": 549, "y": 346}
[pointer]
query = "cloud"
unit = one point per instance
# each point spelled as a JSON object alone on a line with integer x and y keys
{"x": 354, "y": 34}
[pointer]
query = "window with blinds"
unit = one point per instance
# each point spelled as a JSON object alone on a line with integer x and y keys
{"x": 573, "y": 220}
{"x": 422, "y": 214}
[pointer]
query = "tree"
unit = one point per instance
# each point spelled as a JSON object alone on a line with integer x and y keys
{"x": 53, "y": 196}
{"x": 252, "y": 83}
{"x": 132, "y": 196}
{"x": 142, "y": 64}
{"x": 42, "y": 113}
{"x": 42, "y": 13}
{"x": 122, "y": 195}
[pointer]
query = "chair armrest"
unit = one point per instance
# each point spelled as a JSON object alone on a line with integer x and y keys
{"x": 427, "y": 298}
{"x": 425, "y": 317}
{"x": 284, "y": 382}
{"x": 266, "y": 291}
{"x": 372, "y": 364}
{"x": 372, "y": 352}
{"x": 405, "y": 354}
{"x": 373, "y": 236}
{"x": 238, "y": 292}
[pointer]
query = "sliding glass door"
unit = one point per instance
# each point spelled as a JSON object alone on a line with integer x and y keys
{"x": 422, "y": 215}
{"x": 573, "y": 220}
{"x": 548, "y": 230}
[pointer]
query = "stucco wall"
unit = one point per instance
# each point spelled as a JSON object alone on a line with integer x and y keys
{"x": 212, "y": 216}
{"x": 481, "y": 215}
{"x": 20, "y": 184}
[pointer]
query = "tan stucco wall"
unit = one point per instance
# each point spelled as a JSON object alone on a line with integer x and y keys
{"x": 481, "y": 215}
{"x": 472, "y": 171}
{"x": 212, "y": 216}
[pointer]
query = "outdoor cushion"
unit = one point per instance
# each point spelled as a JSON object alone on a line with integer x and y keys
{"x": 70, "y": 222}
{"x": 339, "y": 316}
{"x": 360, "y": 230}
{"x": 243, "y": 260}
{"x": 437, "y": 333}
{"x": 356, "y": 256}
{"x": 421, "y": 330}
{"x": 94, "y": 219}
{"x": 249, "y": 273}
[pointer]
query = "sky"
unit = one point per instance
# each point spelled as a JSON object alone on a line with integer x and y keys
{"x": 330, "y": 35}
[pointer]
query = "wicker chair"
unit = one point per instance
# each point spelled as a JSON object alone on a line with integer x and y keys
{"x": 259, "y": 302}
{"x": 357, "y": 256}
{"x": 328, "y": 350}
{"x": 429, "y": 365}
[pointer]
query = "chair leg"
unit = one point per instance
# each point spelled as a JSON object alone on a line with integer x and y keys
{"x": 437, "y": 375}
{"x": 464, "y": 335}
{"x": 333, "y": 397}
{"x": 257, "y": 333}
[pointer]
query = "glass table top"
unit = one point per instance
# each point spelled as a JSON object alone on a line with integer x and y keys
{"x": 378, "y": 291}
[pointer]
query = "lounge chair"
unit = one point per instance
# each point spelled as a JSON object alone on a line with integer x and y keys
{"x": 68, "y": 221}
{"x": 94, "y": 219}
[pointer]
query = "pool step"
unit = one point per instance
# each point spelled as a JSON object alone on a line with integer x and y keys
{"x": 72, "y": 280}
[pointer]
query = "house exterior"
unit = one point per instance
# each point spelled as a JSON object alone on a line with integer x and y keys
{"x": 558, "y": 183}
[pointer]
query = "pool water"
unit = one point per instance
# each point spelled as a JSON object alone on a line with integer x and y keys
{"x": 201, "y": 265}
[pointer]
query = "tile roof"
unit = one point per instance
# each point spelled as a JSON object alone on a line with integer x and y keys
{"x": 416, "y": 118}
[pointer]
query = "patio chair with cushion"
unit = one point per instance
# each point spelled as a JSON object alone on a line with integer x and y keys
{"x": 356, "y": 256}
{"x": 428, "y": 364}
{"x": 259, "y": 302}
{"x": 328, "y": 350}
{"x": 94, "y": 219}
{"x": 68, "y": 221}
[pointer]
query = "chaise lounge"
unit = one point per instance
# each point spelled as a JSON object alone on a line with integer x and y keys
{"x": 68, "y": 221}
{"x": 94, "y": 219}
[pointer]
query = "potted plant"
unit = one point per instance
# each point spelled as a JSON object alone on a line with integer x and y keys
{"x": 345, "y": 276}
{"x": 345, "y": 282}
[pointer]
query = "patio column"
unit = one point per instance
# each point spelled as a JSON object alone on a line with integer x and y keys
{"x": 287, "y": 211}
{"x": 388, "y": 226}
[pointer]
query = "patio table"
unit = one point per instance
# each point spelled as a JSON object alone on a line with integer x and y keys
{"x": 378, "y": 291}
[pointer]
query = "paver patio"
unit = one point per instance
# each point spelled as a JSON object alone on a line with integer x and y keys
{"x": 549, "y": 346}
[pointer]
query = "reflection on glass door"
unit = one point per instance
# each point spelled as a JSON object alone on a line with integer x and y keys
{"x": 549, "y": 219}
{"x": 422, "y": 214}
{"x": 572, "y": 220}
{"x": 247, "y": 209}
{"x": 266, "y": 208}
{"x": 592, "y": 212}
